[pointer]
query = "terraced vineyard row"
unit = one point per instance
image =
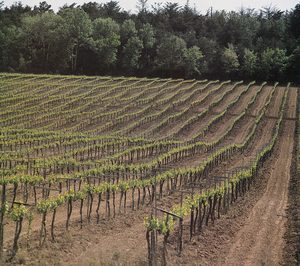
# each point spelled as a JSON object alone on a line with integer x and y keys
{"x": 79, "y": 151}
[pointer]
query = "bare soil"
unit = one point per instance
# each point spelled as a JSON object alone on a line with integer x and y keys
{"x": 253, "y": 232}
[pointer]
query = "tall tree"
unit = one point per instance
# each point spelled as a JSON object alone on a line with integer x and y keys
{"x": 132, "y": 45}
{"x": 106, "y": 40}
{"x": 132, "y": 53}
{"x": 142, "y": 6}
{"x": 79, "y": 28}
{"x": 170, "y": 55}
{"x": 294, "y": 25}
{"x": 273, "y": 64}
{"x": 42, "y": 8}
{"x": 45, "y": 47}
{"x": 166, "y": 40}
{"x": 10, "y": 47}
{"x": 249, "y": 66}
{"x": 128, "y": 30}
{"x": 293, "y": 67}
{"x": 13, "y": 14}
{"x": 230, "y": 60}
{"x": 191, "y": 60}
{"x": 93, "y": 9}
{"x": 113, "y": 10}
{"x": 147, "y": 36}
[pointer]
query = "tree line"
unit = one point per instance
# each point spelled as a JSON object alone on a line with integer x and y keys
{"x": 164, "y": 40}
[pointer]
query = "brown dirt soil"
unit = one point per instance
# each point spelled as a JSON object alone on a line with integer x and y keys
{"x": 243, "y": 127}
{"x": 255, "y": 226}
{"x": 173, "y": 127}
{"x": 220, "y": 127}
{"x": 237, "y": 136}
{"x": 260, "y": 241}
{"x": 279, "y": 92}
{"x": 249, "y": 235}
{"x": 259, "y": 104}
{"x": 292, "y": 235}
{"x": 237, "y": 109}
{"x": 266, "y": 129}
{"x": 212, "y": 246}
{"x": 291, "y": 113}
{"x": 229, "y": 98}
{"x": 148, "y": 127}
{"x": 262, "y": 137}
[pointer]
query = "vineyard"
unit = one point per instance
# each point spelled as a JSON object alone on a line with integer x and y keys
{"x": 136, "y": 170}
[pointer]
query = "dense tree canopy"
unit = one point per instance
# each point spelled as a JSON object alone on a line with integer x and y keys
{"x": 106, "y": 40}
{"x": 162, "y": 40}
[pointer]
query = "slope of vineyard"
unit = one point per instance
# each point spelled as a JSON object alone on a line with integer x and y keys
{"x": 83, "y": 161}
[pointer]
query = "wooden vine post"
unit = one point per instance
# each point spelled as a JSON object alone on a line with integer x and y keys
{"x": 180, "y": 235}
{"x": 2, "y": 211}
{"x": 166, "y": 235}
{"x": 151, "y": 243}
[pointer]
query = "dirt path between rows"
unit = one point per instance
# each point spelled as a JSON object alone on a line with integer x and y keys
{"x": 256, "y": 225}
{"x": 127, "y": 247}
{"x": 260, "y": 241}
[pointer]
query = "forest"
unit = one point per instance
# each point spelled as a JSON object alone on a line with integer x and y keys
{"x": 161, "y": 40}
